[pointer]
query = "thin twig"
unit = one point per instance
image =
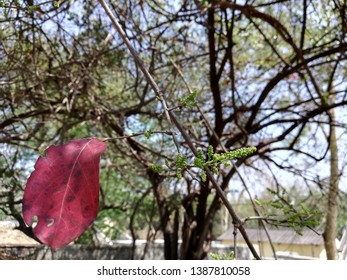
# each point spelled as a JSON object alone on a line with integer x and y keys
{"x": 137, "y": 134}
{"x": 172, "y": 118}
{"x": 141, "y": 65}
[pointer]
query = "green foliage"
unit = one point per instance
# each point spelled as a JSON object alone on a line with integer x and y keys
{"x": 181, "y": 164}
{"x": 188, "y": 101}
{"x": 85, "y": 238}
{"x": 157, "y": 168}
{"x": 148, "y": 133}
{"x": 199, "y": 161}
{"x": 211, "y": 160}
{"x": 224, "y": 256}
{"x": 214, "y": 160}
{"x": 32, "y": 9}
{"x": 289, "y": 214}
{"x": 258, "y": 202}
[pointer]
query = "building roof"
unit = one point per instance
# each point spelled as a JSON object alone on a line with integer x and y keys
{"x": 278, "y": 236}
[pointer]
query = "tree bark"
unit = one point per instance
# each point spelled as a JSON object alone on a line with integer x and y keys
{"x": 330, "y": 231}
{"x": 167, "y": 226}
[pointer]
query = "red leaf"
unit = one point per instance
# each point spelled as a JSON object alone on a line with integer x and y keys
{"x": 63, "y": 191}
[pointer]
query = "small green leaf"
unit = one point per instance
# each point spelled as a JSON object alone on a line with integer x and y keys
{"x": 178, "y": 173}
{"x": 199, "y": 160}
{"x": 298, "y": 232}
{"x": 157, "y": 168}
{"x": 276, "y": 204}
{"x": 199, "y": 163}
{"x": 181, "y": 161}
{"x": 240, "y": 153}
{"x": 148, "y": 133}
{"x": 215, "y": 256}
{"x": 210, "y": 152}
{"x": 258, "y": 202}
{"x": 203, "y": 176}
{"x": 188, "y": 101}
{"x": 215, "y": 170}
{"x": 304, "y": 209}
{"x": 32, "y": 9}
{"x": 224, "y": 256}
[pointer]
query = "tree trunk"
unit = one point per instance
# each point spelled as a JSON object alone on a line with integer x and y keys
{"x": 332, "y": 207}
{"x": 169, "y": 228}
